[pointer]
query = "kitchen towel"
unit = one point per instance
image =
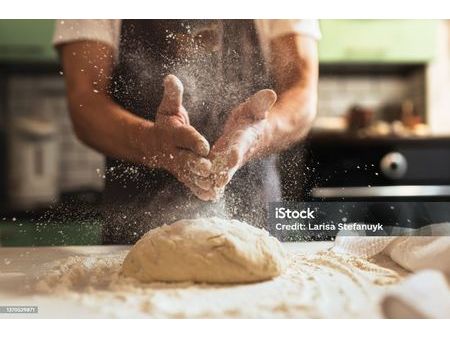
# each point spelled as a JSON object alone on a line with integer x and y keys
{"x": 425, "y": 294}
{"x": 414, "y": 249}
{"x": 426, "y": 251}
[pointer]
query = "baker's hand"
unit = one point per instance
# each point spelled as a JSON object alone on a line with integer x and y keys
{"x": 242, "y": 138}
{"x": 180, "y": 148}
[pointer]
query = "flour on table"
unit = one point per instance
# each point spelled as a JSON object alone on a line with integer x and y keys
{"x": 206, "y": 250}
{"x": 319, "y": 285}
{"x": 363, "y": 246}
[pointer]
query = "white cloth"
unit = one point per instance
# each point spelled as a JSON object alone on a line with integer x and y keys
{"x": 108, "y": 31}
{"x": 419, "y": 253}
{"x": 423, "y": 295}
{"x": 426, "y": 293}
{"x": 425, "y": 248}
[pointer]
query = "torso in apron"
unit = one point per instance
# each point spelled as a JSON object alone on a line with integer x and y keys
{"x": 220, "y": 64}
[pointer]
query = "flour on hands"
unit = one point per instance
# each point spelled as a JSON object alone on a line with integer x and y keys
{"x": 182, "y": 149}
{"x": 241, "y": 139}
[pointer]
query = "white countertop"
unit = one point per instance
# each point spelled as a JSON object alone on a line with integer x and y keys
{"x": 290, "y": 295}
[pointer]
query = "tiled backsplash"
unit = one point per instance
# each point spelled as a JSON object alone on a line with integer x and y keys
{"x": 337, "y": 93}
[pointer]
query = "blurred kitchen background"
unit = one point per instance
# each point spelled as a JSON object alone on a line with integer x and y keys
{"x": 382, "y": 131}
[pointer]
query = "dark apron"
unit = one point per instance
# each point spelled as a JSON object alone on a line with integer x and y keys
{"x": 220, "y": 64}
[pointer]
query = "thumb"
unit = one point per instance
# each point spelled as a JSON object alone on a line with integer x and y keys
{"x": 188, "y": 137}
{"x": 257, "y": 105}
{"x": 173, "y": 96}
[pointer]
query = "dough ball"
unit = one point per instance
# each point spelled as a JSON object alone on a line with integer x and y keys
{"x": 206, "y": 250}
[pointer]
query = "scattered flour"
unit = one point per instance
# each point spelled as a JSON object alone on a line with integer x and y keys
{"x": 321, "y": 285}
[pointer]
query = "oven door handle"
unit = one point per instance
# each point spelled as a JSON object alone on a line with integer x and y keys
{"x": 382, "y": 191}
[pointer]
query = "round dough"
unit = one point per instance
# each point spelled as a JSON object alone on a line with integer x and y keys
{"x": 209, "y": 250}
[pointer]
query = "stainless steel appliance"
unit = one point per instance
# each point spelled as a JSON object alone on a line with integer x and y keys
{"x": 337, "y": 167}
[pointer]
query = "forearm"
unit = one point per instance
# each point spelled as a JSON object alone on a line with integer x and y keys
{"x": 295, "y": 70}
{"x": 110, "y": 129}
{"x": 290, "y": 119}
{"x": 98, "y": 121}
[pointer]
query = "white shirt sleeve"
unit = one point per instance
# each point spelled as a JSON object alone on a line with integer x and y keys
{"x": 106, "y": 31}
{"x": 271, "y": 29}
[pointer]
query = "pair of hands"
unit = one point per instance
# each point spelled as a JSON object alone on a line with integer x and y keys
{"x": 186, "y": 154}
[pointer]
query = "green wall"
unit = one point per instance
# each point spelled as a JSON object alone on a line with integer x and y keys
{"x": 343, "y": 41}
{"x": 392, "y": 41}
{"x": 26, "y": 41}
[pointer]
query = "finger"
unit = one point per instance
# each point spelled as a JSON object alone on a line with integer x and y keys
{"x": 173, "y": 96}
{"x": 187, "y": 137}
{"x": 195, "y": 165}
{"x": 220, "y": 146}
{"x": 200, "y": 167}
{"x": 225, "y": 159}
{"x": 225, "y": 164}
{"x": 196, "y": 184}
{"x": 236, "y": 147}
{"x": 224, "y": 177}
{"x": 204, "y": 183}
{"x": 199, "y": 185}
{"x": 235, "y": 156}
{"x": 204, "y": 195}
{"x": 258, "y": 105}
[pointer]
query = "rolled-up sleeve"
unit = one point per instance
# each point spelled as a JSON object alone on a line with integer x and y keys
{"x": 106, "y": 31}
{"x": 271, "y": 29}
